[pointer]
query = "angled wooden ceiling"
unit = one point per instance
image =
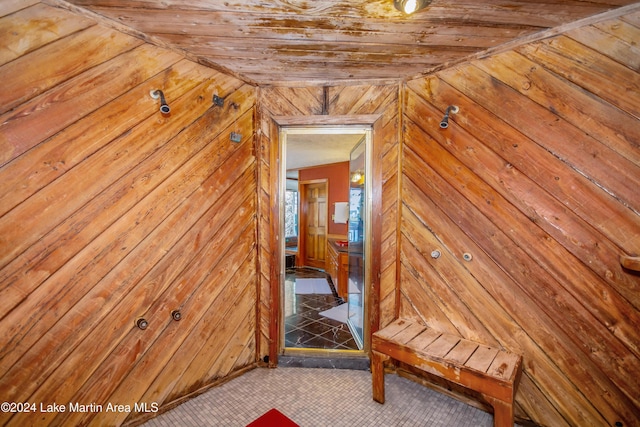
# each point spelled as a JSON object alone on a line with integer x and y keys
{"x": 329, "y": 41}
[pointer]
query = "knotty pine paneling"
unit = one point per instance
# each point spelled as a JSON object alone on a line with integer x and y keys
{"x": 310, "y": 102}
{"x": 110, "y": 211}
{"x": 537, "y": 179}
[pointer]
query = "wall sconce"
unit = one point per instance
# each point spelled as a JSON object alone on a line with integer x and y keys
{"x": 445, "y": 120}
{"x": 164, "y": 107}
{"x": 410, "y": 6}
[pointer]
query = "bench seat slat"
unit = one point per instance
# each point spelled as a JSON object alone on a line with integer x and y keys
{"x": 409, "y": 333}
{"x": 462, "y": 352}
{"x": 392, "y": 329}
{"x": 442, "y": 346}
{"x": 504, "y": 366}
{"x": 424, "y": 339}
{"x": 482, "y": 358}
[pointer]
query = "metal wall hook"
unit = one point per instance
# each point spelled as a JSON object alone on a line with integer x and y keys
{"x": 176, "y": 315}
{"x": 218, "y": 101}
{"x": 453, "y": 109}
{"x": 164, "y": 107}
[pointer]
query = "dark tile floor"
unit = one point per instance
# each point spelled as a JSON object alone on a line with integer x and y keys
{"x": 304, "y": 327}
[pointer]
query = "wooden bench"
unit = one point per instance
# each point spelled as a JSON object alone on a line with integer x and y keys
{"x": 492, "y": 372}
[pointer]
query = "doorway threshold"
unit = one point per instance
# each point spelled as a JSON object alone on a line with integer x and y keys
{"x": 326, "y": 360}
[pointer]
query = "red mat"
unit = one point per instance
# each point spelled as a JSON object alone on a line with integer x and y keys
{"x": 273, "y": 418}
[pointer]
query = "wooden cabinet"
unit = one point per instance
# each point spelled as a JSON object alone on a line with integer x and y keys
{"x": 331, "y": 267}
{"x": 337, "y": 266}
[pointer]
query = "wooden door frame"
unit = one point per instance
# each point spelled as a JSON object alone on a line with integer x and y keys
{"x": 276, "y": 182}
{"x": 302, "y": 218}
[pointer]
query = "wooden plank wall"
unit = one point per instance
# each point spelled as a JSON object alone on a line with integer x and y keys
{"x": 328, "y": 101}
{"x": 110, "y": 211}
{"x": 537, "y": 179}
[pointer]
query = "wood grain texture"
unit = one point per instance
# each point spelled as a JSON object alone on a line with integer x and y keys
{"x": 31, "y": 123}
{"x": 450, "y": 355}
{"x": 343, "y": 42}
{"x": 303, "y": 105}
{"x": 537, "y": 180}
{"x": 111, "y": 212}
{"x": 630, "y": 262}
{"x": 26, "y": 26}
{"x": 59, "y": 61}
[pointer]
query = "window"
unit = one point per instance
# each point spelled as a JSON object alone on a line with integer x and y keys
{"x": 291, "y": 214}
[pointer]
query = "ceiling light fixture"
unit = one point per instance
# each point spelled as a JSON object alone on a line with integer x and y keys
{"x": 410, "y": 6}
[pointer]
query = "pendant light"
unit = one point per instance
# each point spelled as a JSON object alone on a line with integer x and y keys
{"x": 410, "y": 6}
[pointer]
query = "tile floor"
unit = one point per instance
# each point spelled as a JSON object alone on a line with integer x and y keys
{"x": 321, "y": 397}
{"x": 304, "y": 327}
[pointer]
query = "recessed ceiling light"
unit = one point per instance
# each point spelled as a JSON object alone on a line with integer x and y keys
{"x": 410, "y": 6}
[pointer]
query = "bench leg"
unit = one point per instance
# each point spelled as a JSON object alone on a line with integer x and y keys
{"x": 502, "y": 413}
{"x": 377, "y": 375}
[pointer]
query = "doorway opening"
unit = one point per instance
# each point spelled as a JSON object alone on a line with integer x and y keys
{"x": 324, "y": 220}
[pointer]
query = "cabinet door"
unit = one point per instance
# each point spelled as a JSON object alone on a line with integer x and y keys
{"x": 343, "y": 275}
{"x": 332, "y": 263}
